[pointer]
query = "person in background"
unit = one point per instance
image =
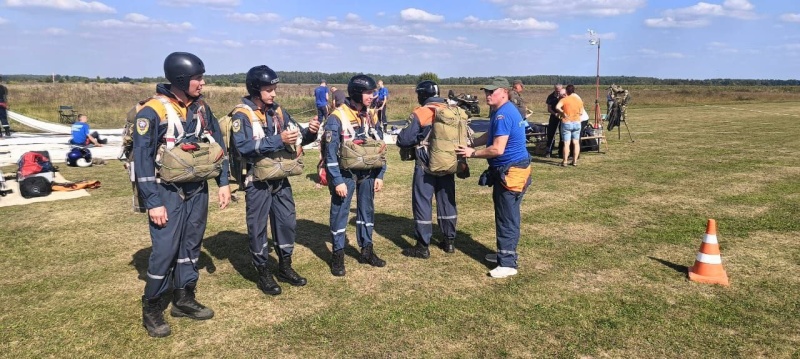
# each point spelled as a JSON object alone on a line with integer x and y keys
{"x": 339, "y": 96}
{"x": 82, "y": 137}
{"x": 380, "y": 104}
{"x": 554, "y": 121}
{"x": 321, "y": 99}
{"x": 509, "y": 173}
{"x": 4, "y": 110}
{"x": 569, "y": 110}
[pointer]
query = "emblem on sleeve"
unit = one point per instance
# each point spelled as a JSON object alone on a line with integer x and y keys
{"x": 142, "y": 126}
{"x": 328, "y": 136}
{"x": 500, "y": 117}
{"x": 236, "y": 125}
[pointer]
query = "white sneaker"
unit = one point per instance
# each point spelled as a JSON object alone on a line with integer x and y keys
{"x": 502, "y": 272}
{"x": 491, "y": 257}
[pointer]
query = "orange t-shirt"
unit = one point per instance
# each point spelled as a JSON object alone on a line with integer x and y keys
{"x": 571, "y": 105}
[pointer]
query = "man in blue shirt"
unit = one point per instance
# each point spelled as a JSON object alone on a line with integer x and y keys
{"x": 321, "y": 96}
{"x": 509, "y": 172}
{"x": 383, "y": 97}
{"x": 81, "y": 135}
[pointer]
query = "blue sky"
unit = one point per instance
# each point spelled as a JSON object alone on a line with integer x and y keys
{"x": 665, "y": 39}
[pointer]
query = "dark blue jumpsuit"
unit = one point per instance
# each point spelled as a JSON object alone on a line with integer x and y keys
{"x": 176, "y": 246}
{"x": 362, "y": 181}
{"x": 425, "y": 185}
{"x": 264, "y": 199}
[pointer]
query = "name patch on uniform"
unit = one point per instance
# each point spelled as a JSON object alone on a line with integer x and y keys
{"x": 236, "y": 125}
{"x": 142, "y": 126}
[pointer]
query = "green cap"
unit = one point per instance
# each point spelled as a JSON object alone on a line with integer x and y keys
{"x": 497, "y": 82}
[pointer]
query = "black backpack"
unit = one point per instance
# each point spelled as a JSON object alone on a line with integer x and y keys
{"x": 592, "y": 144}
{"x": 35, "y": 186}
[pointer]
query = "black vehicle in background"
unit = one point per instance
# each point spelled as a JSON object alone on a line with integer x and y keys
{"x": 467, "y": 102}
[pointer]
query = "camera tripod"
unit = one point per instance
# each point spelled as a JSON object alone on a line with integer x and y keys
{"x": 615, "y": 119}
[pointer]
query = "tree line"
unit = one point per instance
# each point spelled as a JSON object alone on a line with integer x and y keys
{"x": 304, "y": 77}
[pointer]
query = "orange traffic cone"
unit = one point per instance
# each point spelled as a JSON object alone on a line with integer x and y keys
{"x": 707, "y": 267}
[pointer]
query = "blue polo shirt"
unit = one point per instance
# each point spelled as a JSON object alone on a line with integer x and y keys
{"x": 321, "y": 95}
{"x": 80, "y": 130}
{"x": 383, "y": 93}
{"x": 506, "y": 121}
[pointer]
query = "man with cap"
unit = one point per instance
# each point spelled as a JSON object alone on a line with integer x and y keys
{"x": 516, "y": 98}
{"x": 509, "y": 172}
{"x": 178, "y": 211}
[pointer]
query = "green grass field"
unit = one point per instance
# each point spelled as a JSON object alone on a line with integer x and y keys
{"x": 603, "y": 260}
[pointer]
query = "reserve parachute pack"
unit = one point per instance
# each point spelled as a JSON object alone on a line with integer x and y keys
{"x": 449, "y": 130}
{"x": 364, "y": 152}
{"x": 176, "y": 162}
{"x": 188, "y": 162}
{"x": 272, "y": 166}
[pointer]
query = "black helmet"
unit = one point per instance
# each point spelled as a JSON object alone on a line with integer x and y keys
{"x": 425, "y": 90}
{"x": 260, "y": 76}
{"x": 179, "y": 67}
{"x": 357, "y": 85}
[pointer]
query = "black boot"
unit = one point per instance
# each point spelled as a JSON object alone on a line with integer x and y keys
{"x": 287, "y": 273}
{"x": 184, "y": 305}
{"x": 420, "y": 250}
{"x": 369, "y": 257}
{"x": 337, "y": 263}
{"x": 266, "y": 282}
{"x": 153, "y": 318}
{"x": 8, "y": 131}
{"x": 447, "y": 245}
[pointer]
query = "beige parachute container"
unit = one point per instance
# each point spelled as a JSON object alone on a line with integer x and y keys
{"x": 448, "y": 131}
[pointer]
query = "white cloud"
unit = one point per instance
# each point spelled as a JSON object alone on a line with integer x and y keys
{"x": 425, "y": 39}
{"x": 54, "y": 31}
{"x": 507, "y": 24}
{"x": 306, "y": 27}
{"x": 540, "y": 8}
{"x": 293, "y": 31}
{"x": 279, "y": 42}
{"x": 667, "y": 22}
{"x": 372, "y": 48}
{"x": 325, "y": 46}
{"x": 650, "y": 53}
{"x": 352, "y": 17}
{"x": 701, "y": 14}
{"x": 721, "y": 47}
{"x": 790, "y": 47}
{"x": 66, "y": 5}
{"x": 140, "y": 22}
{"x": 417, "y": 15}
{"x": 201, "y": 41}
{"x": 790, "y": 17}
{"x": 251, "y": 17}
{"x": 232, "y": 44}
{"x": 382, "y": 13}
{"x": 3, "y": 21}
{"x": 209, "y": 3}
